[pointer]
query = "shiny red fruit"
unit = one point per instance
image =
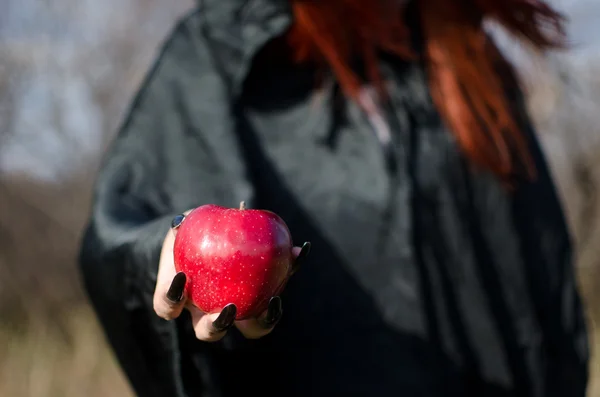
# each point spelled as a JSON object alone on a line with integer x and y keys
{"x": 229, "y": 255}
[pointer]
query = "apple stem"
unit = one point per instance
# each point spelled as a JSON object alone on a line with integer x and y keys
{"x": 243, "y": 205}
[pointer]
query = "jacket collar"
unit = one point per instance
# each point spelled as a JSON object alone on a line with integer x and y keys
{"x": 237, "y": 29}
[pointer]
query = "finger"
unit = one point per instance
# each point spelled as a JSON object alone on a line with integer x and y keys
{"x": 213, "y": 327}
{"x": 169, "y": 296}
{"x": 170, "y": 304}
{"x": 256, "y": 328}
{"x": 301, "y": 255}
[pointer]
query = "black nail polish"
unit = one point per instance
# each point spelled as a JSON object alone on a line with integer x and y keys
{"x": 175, "y": 292}
{"x": 226, "y": 318}
{"x": 176, "y": 222}
{"x": 305, "y": 250}
{"x": 302, "y": 255}
{"x": 274, "y": 312}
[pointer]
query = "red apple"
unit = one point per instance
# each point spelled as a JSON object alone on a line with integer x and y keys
{"x": 229, "y": 255}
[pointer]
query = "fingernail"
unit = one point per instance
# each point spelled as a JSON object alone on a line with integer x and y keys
{"x": 176, "y": 222}
{"x": 304, "y": 251}
{"x": 175, "y": 292}
{"x": 274, "y": 312}
{"x": 226, "y": 318}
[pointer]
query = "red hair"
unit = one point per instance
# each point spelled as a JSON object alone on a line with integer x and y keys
{"x": 468, "y": 77}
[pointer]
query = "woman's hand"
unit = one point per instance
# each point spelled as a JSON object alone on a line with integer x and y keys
{"x": 170, "y": 299}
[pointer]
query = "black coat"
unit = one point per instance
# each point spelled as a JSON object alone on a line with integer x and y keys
{"x": 426, "y": 278}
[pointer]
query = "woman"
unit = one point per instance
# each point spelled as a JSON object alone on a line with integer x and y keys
{"x": 393, "y": 137}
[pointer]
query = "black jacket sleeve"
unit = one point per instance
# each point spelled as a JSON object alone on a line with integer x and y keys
{"x": 176, "y": 150}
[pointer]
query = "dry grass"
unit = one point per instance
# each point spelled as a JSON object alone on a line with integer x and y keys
{"x": 50, "y": 342}
{"x": 58, "y": 357}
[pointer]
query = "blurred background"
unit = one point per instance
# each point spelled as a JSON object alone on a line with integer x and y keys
{"x": 68, "y": 70}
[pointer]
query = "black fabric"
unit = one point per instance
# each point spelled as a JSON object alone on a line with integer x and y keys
{"x": 425, "y": 279}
